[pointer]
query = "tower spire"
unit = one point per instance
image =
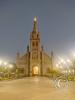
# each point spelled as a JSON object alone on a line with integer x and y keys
{"x": 35, "y": 26}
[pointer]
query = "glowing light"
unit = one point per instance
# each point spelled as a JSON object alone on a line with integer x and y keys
{"x": 10, "y": 66}
{"x": 0, "y": 62}
{"x": 73, "y": 54}
{"x": 69, "y": 61}
{"x": 5, "y": 63}
{"x": 35, "y": 70}
{"x": 62, "y": 61}
{"x": 57, "y": 65}
{"x": 69, "y": 71}
{"x": 35, "y": 19}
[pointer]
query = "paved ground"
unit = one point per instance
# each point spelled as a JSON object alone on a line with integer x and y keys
{"x": 35, "y": 88}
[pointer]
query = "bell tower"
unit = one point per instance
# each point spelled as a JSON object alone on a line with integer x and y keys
{"x": 34, "y": 45}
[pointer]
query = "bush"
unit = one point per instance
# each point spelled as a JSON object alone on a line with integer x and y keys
{"x": 71, "y": 78}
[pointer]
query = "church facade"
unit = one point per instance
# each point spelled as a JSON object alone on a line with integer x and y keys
{"x": 35, "y": 61}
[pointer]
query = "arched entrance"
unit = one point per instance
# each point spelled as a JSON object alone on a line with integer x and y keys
{"x": 35, "y": 70}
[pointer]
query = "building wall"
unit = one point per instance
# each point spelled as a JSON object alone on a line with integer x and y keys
{"x": 46, "y": 63}
{"x": 43, "y": 64}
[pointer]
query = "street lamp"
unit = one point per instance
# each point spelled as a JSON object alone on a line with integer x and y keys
{"x": 73, "y": 55}
{"x": 10, "y": 66}
{"x": 5, "y": 63}
{"x": 69, "y": 71}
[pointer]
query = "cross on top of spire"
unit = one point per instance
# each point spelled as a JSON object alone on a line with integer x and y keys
{"x": 35, "y": 19}
{"x": 35, "y": 26}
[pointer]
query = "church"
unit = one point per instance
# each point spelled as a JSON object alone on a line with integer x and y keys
{"x": 35, "y": 62}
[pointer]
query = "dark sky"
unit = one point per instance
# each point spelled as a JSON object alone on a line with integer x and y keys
{"x": 56, "y": 19}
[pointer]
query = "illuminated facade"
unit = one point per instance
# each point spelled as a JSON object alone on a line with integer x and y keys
{"x": 35, "y": 61}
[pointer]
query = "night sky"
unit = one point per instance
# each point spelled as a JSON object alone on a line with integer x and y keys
{"x": 56, "y": 20}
